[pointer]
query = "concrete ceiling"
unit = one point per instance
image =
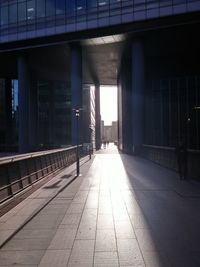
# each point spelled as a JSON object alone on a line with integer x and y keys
{"x": 101, "y": 59}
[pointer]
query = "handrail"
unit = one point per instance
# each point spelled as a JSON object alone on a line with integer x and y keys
{"x": 7, "y": 159}
{"x": 170, "y": 148}
{"x": 20, "y": 171}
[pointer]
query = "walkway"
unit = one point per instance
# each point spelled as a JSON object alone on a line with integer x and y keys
{"x": 123, "y": 211}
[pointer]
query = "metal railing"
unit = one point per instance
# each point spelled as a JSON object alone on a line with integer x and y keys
{"x": 21, "y": 171}
{"x": 166, "y": 156}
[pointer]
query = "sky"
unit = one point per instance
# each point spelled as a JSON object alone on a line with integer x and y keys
{"x": 108, "y": 104}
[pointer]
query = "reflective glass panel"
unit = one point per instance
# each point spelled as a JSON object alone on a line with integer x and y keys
{"x": 31, "y": 10}
{"x": 21, "y": 11}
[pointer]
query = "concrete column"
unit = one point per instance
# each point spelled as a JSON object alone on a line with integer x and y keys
{"x": 8, "y": 98}
{"x": 97, "y": 118}
{"x": 76, "y": 89}
{"x": 138, "y": 79}
{"x": 33, "y": 117}
{"x": 126, "y": 104}
{"x": 23, "y": 85}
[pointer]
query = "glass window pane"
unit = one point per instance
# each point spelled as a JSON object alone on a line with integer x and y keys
{"x": 50, "y": 7}
{"x": 60, "y": 7}
{"x": 13, "y": 13}
{"x": 40, "y": 8}
{"x": 70, "y": 7}
{"x": 31, "y": 9}
{"x": 102, "y": 2}
{"x": 4, "y": 15}
{"x": 21, "y": 11}
{"x": 91, "y": 3}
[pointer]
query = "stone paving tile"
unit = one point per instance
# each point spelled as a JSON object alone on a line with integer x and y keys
{"x": 105, "y": 240}
{"x": 13, "y": 224}
{"x": 19, "y": 207}
{"x": 20, "y": 265}
{"x": 63, "y": 239}
{"x": 34, "y": 234}
{"x": 55, "y": 258}
{"x": 54, "y": 209}
{"x": 104, "y": 192}
{"x": 139, "y": 221}
{"x": 80, "y": 197}
{"x": 92, "y": 200}
{"x": 89, "y": 216}
{"x": 124, "y": 229}
{"x": 105, "y": 221}
{"x": 145, "y": 240}
{"x": 155, "y": 259}
{"x": 34, "y": 204}
{"x": 61, "y": 201}
{"x": 44, "y": 222}
{"x": 120, "y": 215}
{"x": 7, "y": 216}
{"x": 105, "y": 207}
{"x": 26, "y": 244}
{"x": 129, "y": 252}
{"x": 106, "y": 259}
{"x": 133, "y": 208}
{"x": 17, "y": 258}
{"x": 86, "y": 231}
{"x": 4, "y": 234}
{"x": 73, "y": 219}
{"x": 82, "y": 254}
{"x": 75, "y": 208}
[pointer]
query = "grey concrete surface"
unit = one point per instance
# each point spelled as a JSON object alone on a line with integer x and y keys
{"x": 123, "y": 211}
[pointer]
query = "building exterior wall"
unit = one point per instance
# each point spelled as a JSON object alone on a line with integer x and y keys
{"x": 88, "y": 113}
{"x": 109, "y": 132}
{"x": 27, "y": 19}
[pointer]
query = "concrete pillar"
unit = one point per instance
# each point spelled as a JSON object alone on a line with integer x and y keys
{"x": 23, "y": 85}
{"x": 138, "y": 79}
{"x": 126, "y": 104}
{"x": 97, "y": 118}
{"x": 33, "y": 117}
{"x": 8, "y": 98}
{"x": 76, "y": 89}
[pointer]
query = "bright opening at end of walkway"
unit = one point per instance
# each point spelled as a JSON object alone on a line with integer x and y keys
{"x": 108, "y": 104}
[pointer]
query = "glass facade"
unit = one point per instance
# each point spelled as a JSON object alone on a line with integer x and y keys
{"x": 20, "y": 16}
{"x": 8, "y": 115}
{"x": 54, "y": 114}
{"x": 173, "y": 112}
{"x": 2, "y": 112}
{"x": 88, "y": 113}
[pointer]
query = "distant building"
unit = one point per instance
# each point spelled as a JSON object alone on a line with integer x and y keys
{"x": 88, "y": 115}
{"x": 109, "y": 132}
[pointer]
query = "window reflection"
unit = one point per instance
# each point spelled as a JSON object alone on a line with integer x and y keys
{"x": 91, "y": 3}
{"x": 60, "y": 7}
{"x": 21, "y": 11}
{"x": 70, "y": 7}
{"x": 31, "y": 10}
{"x": 50, "y": 8}
{"x": 13, "y": 13}
{"x": 4, "y": 15}
{"x": 40, "y": 8}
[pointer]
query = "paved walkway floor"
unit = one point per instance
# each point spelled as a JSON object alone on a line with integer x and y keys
{"x": 123, "y": 211}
